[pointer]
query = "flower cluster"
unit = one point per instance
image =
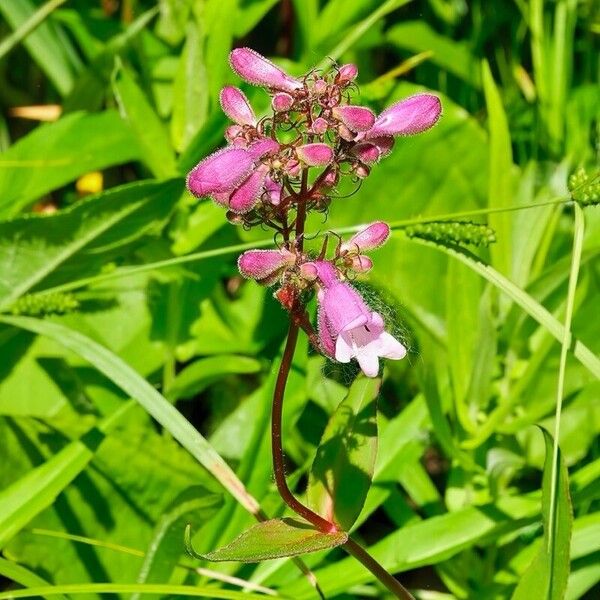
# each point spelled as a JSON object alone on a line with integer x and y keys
{"x": 277, "y": 168}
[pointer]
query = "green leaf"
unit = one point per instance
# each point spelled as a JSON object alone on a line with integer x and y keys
{"x": 276, "y": 538}
{"x": 452, "y": 56}
{"x": 43, "y": 43}
{"x": 27, "y": 497}
{"x": 144, "y": 393}
{"x": 57, "y": 153}
{"x": 132, "y": 588}
{"x": 22, "y": 576}
{"x": 156, "y": 150}
{"x": 190, "y": 90}
{"x": 547, "y": 576}
{"x": 200, "y": 374}
{"x": 501, "y": 167}
{"x": 342, "y": 471}
{"x": 79, "y": 240}
{"x": 166, "y": 545}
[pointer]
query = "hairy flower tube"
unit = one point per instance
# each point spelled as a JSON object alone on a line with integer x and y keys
{"x": 278, "y": 168}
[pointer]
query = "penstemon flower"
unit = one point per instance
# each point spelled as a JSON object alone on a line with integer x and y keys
{"x": 276, "y": 169}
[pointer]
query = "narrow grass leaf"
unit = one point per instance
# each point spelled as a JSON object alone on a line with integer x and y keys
{"x": 546, "y": 577}
{"x": 35, "y": 491}
{"x": 139, "y": 389}
{"x": 22, "y": 576}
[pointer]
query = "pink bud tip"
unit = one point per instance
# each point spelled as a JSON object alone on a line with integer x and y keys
{"x": 355, "y": 118}
{"x": 362, "y": 171}
{"x": 347, "y": 73}
{"x": 361, "y": 263}
{"x": 366, "y": 152}
{"x": 408, "y": 117}
{"x": 282, "y": 101}
{"x": 315, "y": 155}
{"x": 320, "y": 86}
{"x": 233, "y": 133}
{"x": 256, "y": 69}
{"x": 308, "y": 271}
{"x": 273, "y": 191}
{"x": 220, "y": 172}
{"x": 369, "y": 238}
{"x": 260, "y": 264}
{"x": 319, "y": 126}
{"x": 236, "y": 106}
{"x": 345, "y": 133}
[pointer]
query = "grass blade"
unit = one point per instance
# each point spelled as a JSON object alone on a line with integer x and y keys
{"x": 23, "y": 576}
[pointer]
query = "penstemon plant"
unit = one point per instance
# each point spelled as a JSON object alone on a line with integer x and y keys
{"x": 274, "y": 172}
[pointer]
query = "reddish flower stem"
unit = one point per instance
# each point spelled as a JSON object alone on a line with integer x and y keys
{"x": 352, "y": 547}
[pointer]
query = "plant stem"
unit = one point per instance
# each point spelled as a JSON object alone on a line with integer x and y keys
{"x": 390, "y": 582}
{"x": 277, "y": 449}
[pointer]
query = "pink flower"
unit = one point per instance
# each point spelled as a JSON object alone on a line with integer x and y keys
{"x": 256, "y": 69}
{"x": 407, "y": 117}
{"x": 371, "y": 237}
{"x": 315, "y": 155}
{"x": 265, "y": 265}
{"x": 236, "y": 106}
{"x": 355, "y": 118}
{"x": 348, "y": 328}
{"x": 235, "y": 177}
{"x": 220, "y": 171}
{"x": 347, "y": 73}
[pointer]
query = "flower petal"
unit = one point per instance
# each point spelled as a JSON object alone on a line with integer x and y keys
{"x": 236, "y": 106}
{"x": 371, "y": 237}
{"x": 260, "y": 264}
{"x": 407, "y": 117}
{"x": 220, "y": 172}
{"x": 256, "y": 69}
{"x": 245, "y": 197}
{"x": 355, "y": 118}
{"x": 315, "y": 155}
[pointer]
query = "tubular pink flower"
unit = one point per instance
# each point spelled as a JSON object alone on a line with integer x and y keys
{"x": 236, "y": 106}
{"x": 355, "y": 118}
{"x": 408, "y": 117}
{"x": 247, "y": 195}
{"x": 346, "y": 321}
{"x": 315, "y": 155}
{"x": 261, "y": 264}
{"x": 371, "y": 237}
{"x": 256, "y": 69}
{"x": 220, "y": 171}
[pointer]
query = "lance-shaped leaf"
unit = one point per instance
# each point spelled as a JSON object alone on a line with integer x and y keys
{"x": 276, "y": 538}
{"x": 343, "y": 467}
{"x": 547, "y": 575}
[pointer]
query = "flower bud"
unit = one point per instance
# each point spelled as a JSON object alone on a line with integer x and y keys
{"x": 355, "y": 118}
{"x": 346, "y": 74}
{"x": 282, "y": 102}
{"x": 293, "y": 168}
{"x": 362, "y": 171}
{"x": 366, "y": 152}
{"x": 233, "y": 133}
{"x": 371, "y": 237}
{"x": 345, "y": 133}
{"x": 273, "y": 191}
{"x": 330, "y": 180}
{"x": 308, "y": 271}
{"x": 320, "y": 86}
{"x": 256, "y": 69}
{"x": 361, "y": 263}
{"x": 315, "y": 155}
{"x": 236, "y": 106}
{"x": 220, "y": 171}
{"x": 408, "y": 117}
{"x": 261, "y": 264}
{"x": 319, "y": 126}
{"x": 263, "y": 147}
